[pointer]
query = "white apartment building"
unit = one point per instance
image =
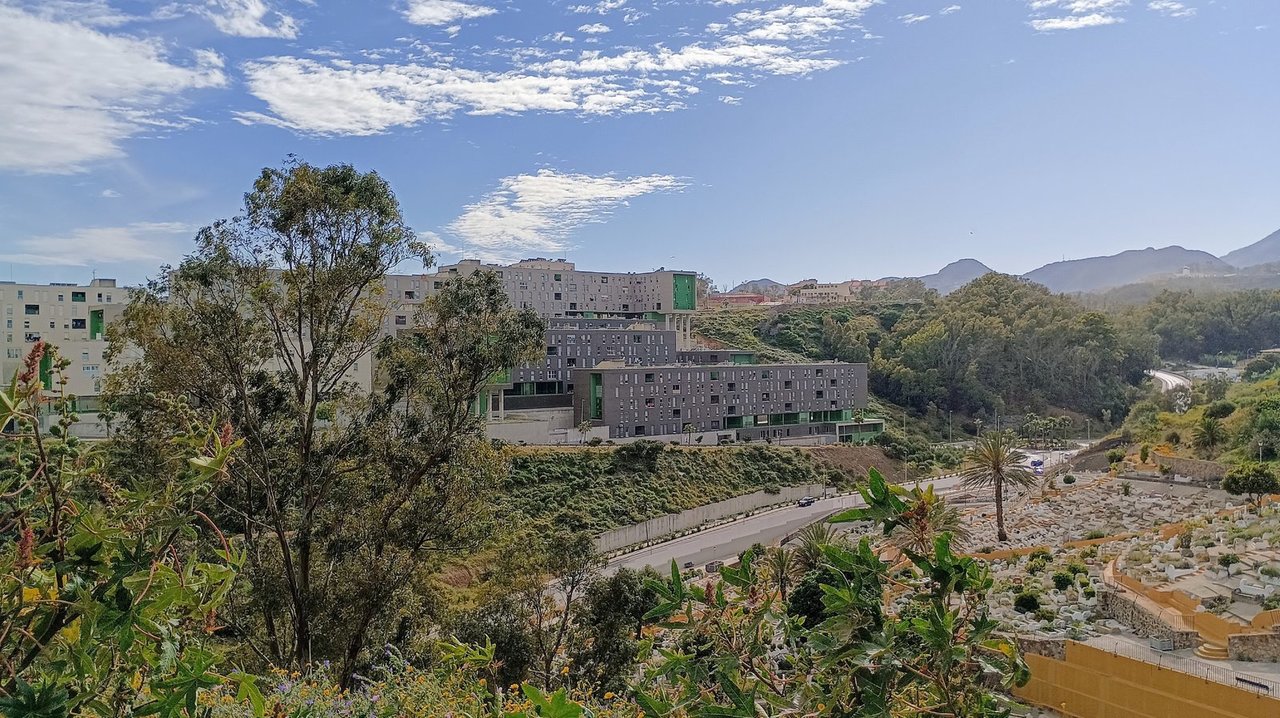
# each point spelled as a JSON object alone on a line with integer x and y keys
{"x": 71, "y": 316}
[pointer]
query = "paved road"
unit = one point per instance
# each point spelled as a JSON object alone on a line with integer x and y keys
{"x": 1169, "y": 381}
{"x": 726, "y": 541}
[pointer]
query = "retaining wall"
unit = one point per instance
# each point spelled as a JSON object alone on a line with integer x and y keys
{"x": 1143, "y": 622}
{"x": 675, "y": 523}
{"x": 1254, "y": 647}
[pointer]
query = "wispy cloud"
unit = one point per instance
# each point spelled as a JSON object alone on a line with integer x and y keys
{"x": 595, "y": 28}
{"x": 949, "y": 9}
{"x": 1047, "y": 14}
{"x": 109, "y": 194}
{"x": 444, "y": 12}
{"x": 912, "y": 18}
{"x": 1171, "y": 8}
{"x": 71, "y": 93}
{"x": 148, "y": 243}
{"x": 537, "y": 213}
{"x": 249, "y": 18}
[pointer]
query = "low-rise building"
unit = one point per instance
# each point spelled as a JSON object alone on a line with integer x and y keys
{"x": 784, "y": 402}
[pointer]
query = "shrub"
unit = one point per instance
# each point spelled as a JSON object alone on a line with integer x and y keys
{"x": 1075, "y": 568}
{"x": 1115, "y": 456}
{"x": 1126, "y": 488}
{"x": 1040, "y": 553}
{"x": 1270, "y": 571}
{"x": 1068, "y": 479}
{"x": 986, "y": 549}
{"x": 1173, "y": 438}
{"x": 1061, "y": 580}
{"x": 1026, "y": 602}
{"x": 1226, "y": 559}
{"x": 1089, "y": 592}
{"x": 1220, "y": 409}
{"x": 1036, "y": 565}
{"x": 1272, "y": 602}
{"x": 1046, "y": 614}
{"x": 1144, "y": 453}
{"x": 1095, "y": 534}
{"x": 1089, "y": 552}
{"x": 595, "y": 441}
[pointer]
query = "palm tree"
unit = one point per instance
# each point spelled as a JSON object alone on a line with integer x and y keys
{"x": 808, "y": 553}
{"x": 929, "y": 517}
{"x": 781, "y": 569}
{"x": 1208, "y": 434}
{"x": 996, "y": 461}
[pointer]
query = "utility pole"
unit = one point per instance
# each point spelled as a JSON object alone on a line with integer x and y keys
{"x": 951, "y": 437}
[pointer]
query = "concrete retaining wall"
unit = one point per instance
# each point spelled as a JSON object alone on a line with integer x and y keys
{"x": 675, "y": 523}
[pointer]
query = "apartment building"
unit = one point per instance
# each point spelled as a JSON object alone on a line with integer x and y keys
{"x": 570, "y": 350}
{"x": 72, "y": 316}
{"x": 762, "y": 401}
{"x": 555, "y": 288}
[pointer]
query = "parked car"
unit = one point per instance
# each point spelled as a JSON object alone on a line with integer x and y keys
{"x": 688, "y": 565}
{"x": 1037, "y": 462}
{"x": 714, "y": 566}
{"x": 806, "y": 501}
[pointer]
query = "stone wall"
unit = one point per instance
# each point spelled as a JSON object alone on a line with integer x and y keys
{"x": 1144, "y": 623}
{"x": 1055, "y": 648}
{"x": 1264, "y": 647}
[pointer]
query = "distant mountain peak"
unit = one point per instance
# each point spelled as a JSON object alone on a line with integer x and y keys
{"x": 1093, "y": 274}
{"x": 955, "y": 275}
{"x": 1263, "y": 251}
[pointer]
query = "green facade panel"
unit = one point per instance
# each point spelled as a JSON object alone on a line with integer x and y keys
{"x": 686, "y": 291}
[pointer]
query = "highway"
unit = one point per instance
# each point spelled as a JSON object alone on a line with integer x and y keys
{"x": 726, "y": 541}
{"x": 1169, "y": 381}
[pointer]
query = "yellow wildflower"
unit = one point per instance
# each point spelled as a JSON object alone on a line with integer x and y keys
{"x": 515, "y": 687}
{"x": 564, "y": 671}
{"x": 822, "y": 706}
{"x": 608, "y": 696}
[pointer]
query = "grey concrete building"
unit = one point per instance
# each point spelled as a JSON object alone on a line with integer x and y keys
{"x": 572, "y": 349}
{"x": 782, "y": 401}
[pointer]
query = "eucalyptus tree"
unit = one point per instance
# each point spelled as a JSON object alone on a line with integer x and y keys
{"x": 363, "y": 456}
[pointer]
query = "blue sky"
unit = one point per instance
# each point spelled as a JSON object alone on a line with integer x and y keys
{"x": 743, "y": 138}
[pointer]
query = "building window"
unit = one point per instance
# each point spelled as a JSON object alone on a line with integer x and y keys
{"x": 557, "y": 278}
{"x": 61, "y": 298}
{"x": 557, "y": 295}
{"x": 77, "y": 296}
{"x": 401, "y": 320}
{"x": 552, "y": 351}
{"x": 766, "y": 374}
{"x": 786, "y": 384}
{"x": 626, "y": 307}
{"x": 764, "y": 396}
{"x": 732, "y": 411}
{"x": 604, "y": 280}
{"x": 675, "y": 413}
{"x": 733, "y": 386}
{"x": 571, "y": 361}
{"x": 715, "y": 375}
{"x": 639, "y": 430}
{"x": 648, "y": 378}
{"x": 715, "y": 398}
{"x": 573, "y": 305}
{"x": 31, "y": 337}
{"x": 410, "y": 294}
{"x": 437, "y": 285}
{"x": 818, "y": 394}
{"x": 635, "y": 338}
{"x": 817, "y": 372}
{"x": 32, "y": 309}
{"x": 77, "y": 324}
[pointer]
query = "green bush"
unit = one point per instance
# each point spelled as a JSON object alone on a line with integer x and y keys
{"x": 1036, "y": 565}
{"x": 1062, "y": 580}
{"x": 1115, "y": 456}
{"x": 1220, "y": 409}
{"x": 1272, "y": 602}
{"x": 1226, "y": 559}
{"x": 1026, "y": 602}
{"x": 1270, "y": 571}
{"x": 1068, "y": 479}
{"x": 1095, "y": 534}
{"x": 1046, "y": 614}
{"x": 1089, "y": 592}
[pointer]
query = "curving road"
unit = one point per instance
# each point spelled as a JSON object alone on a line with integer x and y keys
{"x": 726, "y": 541}
{"x": 1169, "y": 381}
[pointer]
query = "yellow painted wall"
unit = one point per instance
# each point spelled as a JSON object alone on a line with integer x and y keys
{"x": 1092, "y": 683}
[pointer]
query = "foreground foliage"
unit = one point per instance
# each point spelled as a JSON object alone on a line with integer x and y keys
{"x": 109, "y": 584}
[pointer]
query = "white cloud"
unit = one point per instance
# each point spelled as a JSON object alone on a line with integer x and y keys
{"x": 730, "y": 100}
{"x": 249, "y": 18}
{"x": 793, "y": 22}
{"x": 95, "y": 13}
{"x": 71, "y": 94}
{"x": 912, "y": 18}
{"x": 949, "y": 9}
{"x": 537, "y": 213}
{"x": 109, "y": 194}
{"x": 604, "y": 7}
{"x": 365, "y": 99}
{"x": 148, "y": 243}
{"x": 439, "y": 246}
{"x": 1074, "y": 22}
{"x": 1171, "y": 8}
{"x": 595, "y": 28}
{"x": 444, "y": 12}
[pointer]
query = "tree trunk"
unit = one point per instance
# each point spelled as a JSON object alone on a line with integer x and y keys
{"x": 1000, "y": 534}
